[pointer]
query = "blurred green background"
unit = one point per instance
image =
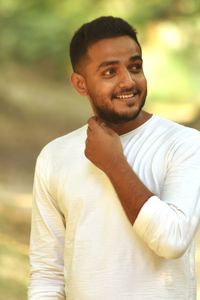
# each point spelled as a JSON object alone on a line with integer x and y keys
{"x": 38, "y": 104}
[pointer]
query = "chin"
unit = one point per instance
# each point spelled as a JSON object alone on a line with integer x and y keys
{"x": 122, "y": 118}
{"x": 130, "y": 116}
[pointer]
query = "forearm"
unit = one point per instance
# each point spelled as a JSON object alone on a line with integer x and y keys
{"x": 131, "y": 191}
{"x": 161, "y": 225}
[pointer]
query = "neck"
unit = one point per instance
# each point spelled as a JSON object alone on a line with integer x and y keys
{"x": 123, "y": 128}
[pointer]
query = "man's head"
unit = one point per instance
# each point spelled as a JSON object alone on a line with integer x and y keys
{"x": 98, "y": 29}
{"x": 107, "y": 61}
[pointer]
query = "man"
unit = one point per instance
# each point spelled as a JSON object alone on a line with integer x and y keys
{"x": 116, "y": 203}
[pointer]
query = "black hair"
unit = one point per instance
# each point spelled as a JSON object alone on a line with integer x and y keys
{"x": 100, "y": 28}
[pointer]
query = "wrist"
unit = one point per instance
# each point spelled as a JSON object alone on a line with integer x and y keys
{"x": 116, "y": 166}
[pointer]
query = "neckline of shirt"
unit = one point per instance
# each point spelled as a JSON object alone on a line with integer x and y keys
{"x": 139, "y": 128}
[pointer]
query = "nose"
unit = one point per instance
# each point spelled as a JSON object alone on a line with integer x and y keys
{"x": 126, "y": 79}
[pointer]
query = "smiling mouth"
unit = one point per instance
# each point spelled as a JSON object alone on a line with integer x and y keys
{"x": 126, "y": 95}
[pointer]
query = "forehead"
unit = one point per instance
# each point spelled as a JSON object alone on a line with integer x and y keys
{"x": 118, "y": 48}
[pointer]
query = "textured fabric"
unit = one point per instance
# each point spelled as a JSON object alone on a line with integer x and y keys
{"x": 82, "y": 245}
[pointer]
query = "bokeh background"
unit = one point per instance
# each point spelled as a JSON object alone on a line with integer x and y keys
{"x": 37, "y": 103}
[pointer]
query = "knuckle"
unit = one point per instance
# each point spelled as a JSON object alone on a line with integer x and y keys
{"x": 90, "y": 120}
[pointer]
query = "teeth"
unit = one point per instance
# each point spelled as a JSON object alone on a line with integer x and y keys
{"x": 127, "y": 96}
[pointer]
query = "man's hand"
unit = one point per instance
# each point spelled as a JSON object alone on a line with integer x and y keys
{"x": 104, "y": 149}
{"x": 103, "y": 145}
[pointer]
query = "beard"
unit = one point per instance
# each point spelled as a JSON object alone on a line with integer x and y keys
{"x": 112, "y": 116}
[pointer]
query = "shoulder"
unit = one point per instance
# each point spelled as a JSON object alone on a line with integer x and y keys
{"x": 176, "y": 130}
{"x": 67, "y": 141}
{"x": 64, "y": 147}
{"x": 183, "y": 143}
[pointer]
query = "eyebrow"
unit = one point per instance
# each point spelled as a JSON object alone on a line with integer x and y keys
{"x": 114, "y": 62}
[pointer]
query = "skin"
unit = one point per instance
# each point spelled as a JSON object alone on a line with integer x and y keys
{"x": 112, "y": 77}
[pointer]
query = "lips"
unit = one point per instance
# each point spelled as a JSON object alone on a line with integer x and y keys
{"x": 126, "y": 95}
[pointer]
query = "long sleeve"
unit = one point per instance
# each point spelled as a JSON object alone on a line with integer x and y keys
{"x": 169, "y": 222}
{"x": 47, "y": 241}
{"x": 77, "y": 211}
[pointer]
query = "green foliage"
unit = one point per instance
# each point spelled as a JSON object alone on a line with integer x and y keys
{"x": 35, "y": 31}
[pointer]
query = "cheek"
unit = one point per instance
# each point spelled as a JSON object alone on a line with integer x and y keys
{"x": 143, "y": 80}
{"x": 101, "y": 90}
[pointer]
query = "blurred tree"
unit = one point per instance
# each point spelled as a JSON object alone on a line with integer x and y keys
{"x": 39, "y": 31}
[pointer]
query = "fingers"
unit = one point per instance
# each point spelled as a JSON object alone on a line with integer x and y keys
{"x": 95, "y": 122}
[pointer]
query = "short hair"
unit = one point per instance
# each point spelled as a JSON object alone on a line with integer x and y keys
{"x": 100, "y": 28}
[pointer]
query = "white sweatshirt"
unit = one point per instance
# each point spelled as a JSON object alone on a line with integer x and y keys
{"x": 83, "y": 246}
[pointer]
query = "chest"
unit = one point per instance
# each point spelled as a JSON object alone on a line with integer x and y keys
{"x": 81, "y": 186}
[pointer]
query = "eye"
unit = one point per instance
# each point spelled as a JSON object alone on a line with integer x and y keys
{"x": 108, "y": 73}
{"x": 136, "y": 68}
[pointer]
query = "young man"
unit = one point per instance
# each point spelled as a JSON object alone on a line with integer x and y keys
{"x": 117, "y": 202}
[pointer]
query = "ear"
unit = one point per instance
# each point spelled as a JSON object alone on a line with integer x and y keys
{"x": 79, "y": 84}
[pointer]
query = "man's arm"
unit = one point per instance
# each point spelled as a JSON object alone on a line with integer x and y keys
{"x": 47, "y": 242}
{"x": 104, "y": 149}
{"x": 166, "y": 224}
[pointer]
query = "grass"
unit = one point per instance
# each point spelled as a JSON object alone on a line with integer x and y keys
{"x": 14, "y": 239}
{"x": 14, "y": 271}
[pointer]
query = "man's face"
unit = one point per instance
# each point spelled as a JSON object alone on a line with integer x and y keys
{"x": 114, "y": 78}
